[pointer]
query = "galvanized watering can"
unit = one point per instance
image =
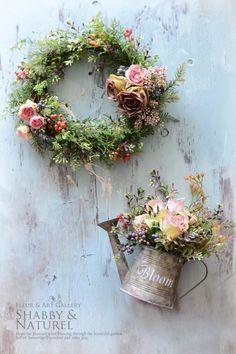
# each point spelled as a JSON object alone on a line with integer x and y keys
{"x": 152, "y": 278}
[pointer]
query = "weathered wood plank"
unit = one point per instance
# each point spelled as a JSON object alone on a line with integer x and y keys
{"x": 51, "y": 249}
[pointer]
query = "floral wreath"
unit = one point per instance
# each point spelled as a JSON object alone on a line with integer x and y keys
{"x": 138, "y": 88}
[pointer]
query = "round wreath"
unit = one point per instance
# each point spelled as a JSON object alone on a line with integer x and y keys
{"x": 139, "y": 89}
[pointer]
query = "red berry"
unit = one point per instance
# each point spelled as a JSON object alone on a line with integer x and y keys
{"x": 49, "y": 120}
{"x": 128, "y": 157}
{"x": 53, "y": 115}
{"x": 120, "y": 147}
{"x": 59, "y": 128}
{"x": 50, "y": 127}
{"x": 63, "y": 125}
{"x": 61, "y": 115}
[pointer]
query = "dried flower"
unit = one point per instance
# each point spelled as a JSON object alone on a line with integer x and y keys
{"x": 132, "y": 101}
{"x": 155, "y": 76}
{"x": 114, "y": 85}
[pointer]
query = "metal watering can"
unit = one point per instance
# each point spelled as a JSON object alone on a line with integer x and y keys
{"x": 153, "y": 277}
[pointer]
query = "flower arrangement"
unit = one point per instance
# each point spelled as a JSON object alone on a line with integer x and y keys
{"x": 140, "y": 90}
{"x": 169, "y": 225}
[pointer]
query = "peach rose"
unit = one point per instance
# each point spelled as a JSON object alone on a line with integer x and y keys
{"x": 23, "y": 131}
{"x": 27, "y": 110}
{"x": 172, "y": 225}
{"x": 36, "y": 122}
{"x": 135, "y": 74}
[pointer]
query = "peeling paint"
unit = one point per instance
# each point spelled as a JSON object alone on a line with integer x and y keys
{"x": 9, "y": 313}
{"x": 1, "y": 68}
{"x": 30, "y": 219}
{"x": 226, "y": 189}
{"x": 107, "y": 266}
{"x": 186, "y": 145}
{"x": 61, "y": 14}
{"x": 59, "y": 174}
{"x": 17, "y": 32}
{"x": 50, "y": 281}
{"x": 8, "y": 342}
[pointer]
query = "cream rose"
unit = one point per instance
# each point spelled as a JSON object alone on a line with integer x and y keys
{"x": 23, "y": 131}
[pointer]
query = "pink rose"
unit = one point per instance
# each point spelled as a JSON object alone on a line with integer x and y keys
{"x": 23, "y": 131}
{"x": 135, "y": 74}
{"x": 155, "y": 205}
{"x": 21, "y": 74}
{"x": 176, "y": 205}
{"x": 174, "y": 225}
{"x": 36, "y": 122}
{"x": 27, "y": 110}
{"x": 128, "y": 32}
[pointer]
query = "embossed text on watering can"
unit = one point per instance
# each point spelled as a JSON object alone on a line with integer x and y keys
{"x": 149, "y": 273}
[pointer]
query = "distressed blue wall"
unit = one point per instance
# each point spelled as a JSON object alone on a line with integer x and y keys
{"x": 50, "y": 245}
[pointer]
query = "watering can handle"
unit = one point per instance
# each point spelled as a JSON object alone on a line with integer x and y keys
{"x": 196, "y": 285}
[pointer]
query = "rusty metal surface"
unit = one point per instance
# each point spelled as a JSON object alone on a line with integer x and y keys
{"x": 154, "y": 278}
{"x": 119, "y": 257}
{"x": 51, "y": 248}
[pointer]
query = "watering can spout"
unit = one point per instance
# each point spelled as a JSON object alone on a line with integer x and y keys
{"x": 122, "y": 265}
{"x": 107, "y": 225}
